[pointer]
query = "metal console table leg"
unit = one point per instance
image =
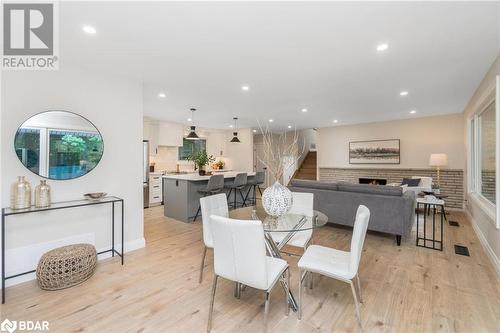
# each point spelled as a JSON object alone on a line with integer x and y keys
{"x": 437, "y": 244}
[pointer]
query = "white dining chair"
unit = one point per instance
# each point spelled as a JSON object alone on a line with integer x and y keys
{"x": 240, "y": 256}
{"x": 336, "y": 264}
{"x": 302, "y": 205}
{"x": 211, "y": 205}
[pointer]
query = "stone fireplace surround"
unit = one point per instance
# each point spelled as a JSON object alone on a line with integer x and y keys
{"x": 452, "y": 180}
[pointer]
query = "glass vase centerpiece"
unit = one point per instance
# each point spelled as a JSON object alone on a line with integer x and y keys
{"x": 42, "y": 194}
{"x": 20, "y": 194}
{"x": 280, "y": 153}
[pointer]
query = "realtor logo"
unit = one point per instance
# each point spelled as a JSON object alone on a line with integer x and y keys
{"x": 29, "y": 36}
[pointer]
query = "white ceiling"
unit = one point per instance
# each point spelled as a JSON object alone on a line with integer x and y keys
{"x": 293, "y": 55}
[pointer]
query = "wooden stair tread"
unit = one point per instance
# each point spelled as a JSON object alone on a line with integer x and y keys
{"x": 308, "y": 168}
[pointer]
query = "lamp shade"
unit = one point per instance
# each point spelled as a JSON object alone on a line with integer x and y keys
{"x": 235, "y": 137}
{"x": 192, "y": 135}
{"x": 438, "y": 160}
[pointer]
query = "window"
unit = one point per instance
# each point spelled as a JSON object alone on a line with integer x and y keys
{"x": 191, "y": 146}
{"x": 73, "y": 153}
{"x": 27, "y": 144}
{"x": 58, "y": 154}
{"x": 483, "y": 153}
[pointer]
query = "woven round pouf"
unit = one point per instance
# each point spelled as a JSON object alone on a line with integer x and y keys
{"x": 66, "y": 266}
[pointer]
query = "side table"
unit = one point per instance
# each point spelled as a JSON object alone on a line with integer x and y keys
{"x": 438, "y": 196}
{"x": 424, "y": 241}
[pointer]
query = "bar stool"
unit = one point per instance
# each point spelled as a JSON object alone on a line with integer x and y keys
{"x": 258, "y": 179}
{"x": 239, "y": 183}
{"x": 214, "y": 186}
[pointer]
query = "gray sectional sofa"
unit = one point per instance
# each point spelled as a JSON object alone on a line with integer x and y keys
{"x": 391, "y": 210}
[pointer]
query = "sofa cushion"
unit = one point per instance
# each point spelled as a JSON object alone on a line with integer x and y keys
{"x": 314, "y": 184}
{"x": 424, "y": 181}
{"x": 411, "y": 182}
{"x": 370, "y": 189}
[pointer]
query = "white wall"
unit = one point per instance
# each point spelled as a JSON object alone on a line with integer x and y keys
{"x": 419, "y": 137}
{"x": 482, "y": 220}
{"x": 240, "y": 155}
{"x": 114, "y": 105}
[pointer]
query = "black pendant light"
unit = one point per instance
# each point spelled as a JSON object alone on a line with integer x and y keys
{"x": 235, "y": 134}
{"x": 192, "y": 134}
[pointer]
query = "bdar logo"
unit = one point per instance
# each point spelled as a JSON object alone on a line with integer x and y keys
{"x": 8, "y": 326}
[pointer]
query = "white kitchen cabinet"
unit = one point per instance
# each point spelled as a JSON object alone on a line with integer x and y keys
{"x": 170, "y": 134}
{"x": 155, "y": 189}
{"x": 150, "y": 133}
{"x": 153, "y": 138}
{"x": 216, "y": 143}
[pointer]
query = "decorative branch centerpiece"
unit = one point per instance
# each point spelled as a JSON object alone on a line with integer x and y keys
{"x": 280, "y": 153}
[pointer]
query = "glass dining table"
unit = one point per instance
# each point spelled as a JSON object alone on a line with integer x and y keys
{"x": 288, "y": 224}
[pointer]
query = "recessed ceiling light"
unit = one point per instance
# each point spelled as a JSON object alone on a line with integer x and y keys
{"x": 413, "y": 111}
{"x": 271, "y": 120}
{"x": 255, "y": 131}
{"x": 245, "y": 88}
{"x": 230, "y": 126}
{"x": 335, "y": 121}
{"x": 403, "y": 93}
{"x": 304, "y": 110}
{"x": 289, "y": 126}
{"x": 162, "y": 95}
{"x": 190, "y": 119}
{"x": 89, "y": 29}
{"x": 382, "y": 47}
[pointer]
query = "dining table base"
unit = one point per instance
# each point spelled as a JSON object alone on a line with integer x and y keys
{"x": 274, "y": 251}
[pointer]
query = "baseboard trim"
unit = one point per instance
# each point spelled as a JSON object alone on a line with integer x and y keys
{"x": 130, "y": 246}
{"x": 487, "y": 248}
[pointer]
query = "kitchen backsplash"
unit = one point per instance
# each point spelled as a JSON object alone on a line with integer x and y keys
{"x": 166, "y": 160}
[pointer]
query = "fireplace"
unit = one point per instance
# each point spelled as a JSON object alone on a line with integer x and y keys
{"x": 373, "y": 181}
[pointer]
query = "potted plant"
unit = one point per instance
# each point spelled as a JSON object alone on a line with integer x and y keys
{"x": 436, "y": 188}
{"x": 200, "y": 159}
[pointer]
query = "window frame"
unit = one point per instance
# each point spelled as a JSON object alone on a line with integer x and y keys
{"x": 179, "y": 157}
{"x": 474, "y": 154}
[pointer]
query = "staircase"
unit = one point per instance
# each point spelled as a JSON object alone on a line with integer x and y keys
{"x": 307, "y": 169}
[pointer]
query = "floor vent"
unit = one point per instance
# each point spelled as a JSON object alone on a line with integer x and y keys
{"x": 453, "y": 223}
{"x": 462, "y": 250}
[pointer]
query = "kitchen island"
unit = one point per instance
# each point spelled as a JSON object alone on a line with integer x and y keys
{"x": 181, "y": 196}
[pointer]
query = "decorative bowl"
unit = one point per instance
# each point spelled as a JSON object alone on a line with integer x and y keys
{"x": 96, "y": 196}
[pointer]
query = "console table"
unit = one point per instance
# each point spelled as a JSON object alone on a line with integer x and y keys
{"x": 111, "y": 200}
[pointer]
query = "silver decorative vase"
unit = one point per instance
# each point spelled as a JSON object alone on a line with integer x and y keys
{"x": 277, "y": 200}
{"x": 20, "y": 194}
{"x": 42, "y": 194}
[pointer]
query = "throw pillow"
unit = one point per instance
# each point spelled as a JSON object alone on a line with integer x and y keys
{"x": 411, "y": 182}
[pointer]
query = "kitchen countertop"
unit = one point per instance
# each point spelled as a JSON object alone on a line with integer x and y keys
{"x": 196, "y": 177}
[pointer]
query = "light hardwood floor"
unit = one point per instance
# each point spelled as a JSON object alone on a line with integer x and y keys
{"x": 405, "y": 289}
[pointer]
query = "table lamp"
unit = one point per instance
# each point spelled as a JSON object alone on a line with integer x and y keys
{"x": 438, "y": 160}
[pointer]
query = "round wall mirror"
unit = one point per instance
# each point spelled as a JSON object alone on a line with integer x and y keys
{"x": 59, "y": 145}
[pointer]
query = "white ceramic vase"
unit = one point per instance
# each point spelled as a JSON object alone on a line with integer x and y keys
{"x": 277, "y": 200}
